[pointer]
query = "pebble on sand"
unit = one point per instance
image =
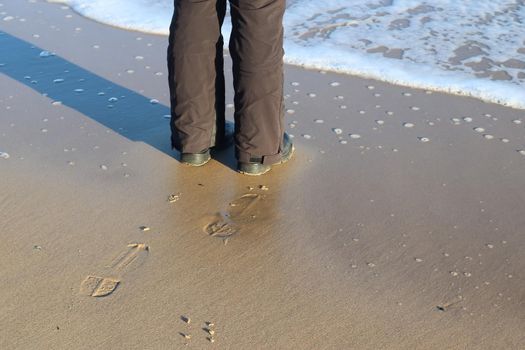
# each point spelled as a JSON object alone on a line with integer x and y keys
{"x": 173, "y": 198}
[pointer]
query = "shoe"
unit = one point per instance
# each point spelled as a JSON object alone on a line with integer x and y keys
{"x": 256, "y": 168}
{"x": 204, "y": 156}
{"x": 196, "y": 159}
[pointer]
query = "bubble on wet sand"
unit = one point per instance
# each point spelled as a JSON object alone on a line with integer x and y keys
{"x": 337, "y": 131}
{"x": 45, "y": 54}
{"x": 479, "y": 129}
{"x": 380, "y": 122}
{"x": 467, "y": 119}
{"x": 104, "y": 167}
{"x": 408, "y": 125}
{"x": 318, "y": 121}
{"x": 354, "y": 136}
{"x": 488, "y": 136}
{"x": 343, "y": 142}
{"x": 312, "y": 95}
{"x": 504, "y": 140}
{"x": 415, "y": 108}
{"x": 456, "y": 121}
{"x": 424, "y": 139}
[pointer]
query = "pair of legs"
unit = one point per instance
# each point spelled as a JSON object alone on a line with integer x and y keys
{"x": 196, "y": 77}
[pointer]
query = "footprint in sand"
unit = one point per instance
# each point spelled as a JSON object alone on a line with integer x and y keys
{"x": 95, "y": 286}
{"x": 98, "y": 286}
{"x": 240, "y": 211}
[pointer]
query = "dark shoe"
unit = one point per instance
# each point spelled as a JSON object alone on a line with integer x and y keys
{"x": 257, "y": 168}
{"x": 196, "y": 159}
{"x": 203, "y": 157}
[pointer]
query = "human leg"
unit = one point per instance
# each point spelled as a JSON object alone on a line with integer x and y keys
{"x": 196, "y": 78}
{"x": 256, "y": 48}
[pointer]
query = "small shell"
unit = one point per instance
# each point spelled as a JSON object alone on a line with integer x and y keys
{"x": 173, "y": 198}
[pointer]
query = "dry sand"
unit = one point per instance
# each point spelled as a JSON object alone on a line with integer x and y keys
{"x": 382, "y": 241}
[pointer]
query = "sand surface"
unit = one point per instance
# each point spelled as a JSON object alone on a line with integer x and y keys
{"x": 399, "y": 224}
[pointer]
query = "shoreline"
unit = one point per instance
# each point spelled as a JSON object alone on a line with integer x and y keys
{"x": 398, "y": 72}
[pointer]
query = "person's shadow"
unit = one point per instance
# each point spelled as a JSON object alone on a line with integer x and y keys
{"x": 122, "y": 110}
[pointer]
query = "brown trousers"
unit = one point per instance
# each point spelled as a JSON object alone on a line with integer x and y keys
{"x": 196, "y": 76}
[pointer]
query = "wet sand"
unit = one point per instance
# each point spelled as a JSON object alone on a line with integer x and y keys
{"x": 397, "y": 225}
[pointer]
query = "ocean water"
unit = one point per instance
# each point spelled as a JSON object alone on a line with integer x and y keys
{"x": 467, "y": 47}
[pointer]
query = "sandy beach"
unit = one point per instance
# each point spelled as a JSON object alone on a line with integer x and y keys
{"x": 398, "y": 224}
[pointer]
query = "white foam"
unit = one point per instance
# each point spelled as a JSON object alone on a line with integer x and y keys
{"x": 420, "y": 43}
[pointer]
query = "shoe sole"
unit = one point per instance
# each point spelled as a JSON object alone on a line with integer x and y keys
{"x": 195, "y": 165}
